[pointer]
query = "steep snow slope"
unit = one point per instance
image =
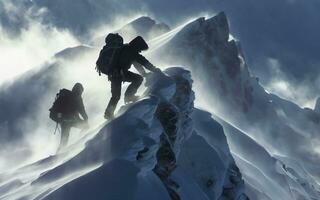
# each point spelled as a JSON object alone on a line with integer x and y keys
{"x": 25, "y": 102}
{"x": 265, "y": 176}
{"x": 268, "y": 174}
{"x": 150, "y": 150}
{"x": 221, "y": 73}
{"x": 273, "y": 126}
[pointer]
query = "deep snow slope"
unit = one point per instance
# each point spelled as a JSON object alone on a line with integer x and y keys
{"x": 151, "y": 150}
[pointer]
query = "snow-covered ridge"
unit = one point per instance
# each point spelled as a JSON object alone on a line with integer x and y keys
{"x": 142, "y": 151}
{"x": 260, "y": 124}
{"x": 206, "y": 46}
{"x": 228, "y": 89}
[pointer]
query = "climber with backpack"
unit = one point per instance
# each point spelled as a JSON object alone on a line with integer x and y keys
{"x": 66, "y": 111}
{"x": 118, "y": 58}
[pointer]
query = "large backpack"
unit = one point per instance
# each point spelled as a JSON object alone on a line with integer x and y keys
{"x": 63, "y": 104}
{"x": 108, "y": 56}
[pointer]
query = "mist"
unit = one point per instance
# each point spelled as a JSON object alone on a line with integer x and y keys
{"x": 37, "y": 71}
{"x": 35, "y": 44}
{"x": 286, "y": 87}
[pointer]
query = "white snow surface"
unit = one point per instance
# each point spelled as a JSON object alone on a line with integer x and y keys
{"x": 274, "y": 142}
{"x": 103, "y": 164}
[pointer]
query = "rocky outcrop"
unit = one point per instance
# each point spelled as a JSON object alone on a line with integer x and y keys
{"x": 174, "y": 117}
{"x": 205, "y": 45}
{"x": 222, "y": 75}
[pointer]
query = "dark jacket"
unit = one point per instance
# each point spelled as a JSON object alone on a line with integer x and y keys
{"x": 130, "y": 54}
{"x": 70, "y": 105}
{"x": 80, "y": 107}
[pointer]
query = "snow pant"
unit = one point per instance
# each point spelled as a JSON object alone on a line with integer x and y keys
{"x": 65, "y": 130}
{"x": 116, "y": 82}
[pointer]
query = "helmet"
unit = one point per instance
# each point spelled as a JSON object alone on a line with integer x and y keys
{"x": 114, "y": 39}
{"x": 77, "y": 89}
{"x": 139, "y": 44}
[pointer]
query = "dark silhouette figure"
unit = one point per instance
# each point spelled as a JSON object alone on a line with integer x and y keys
{"x": 109, "y": 54}
{"x": 128, "y": 54}
{"x": 66, "y": 111}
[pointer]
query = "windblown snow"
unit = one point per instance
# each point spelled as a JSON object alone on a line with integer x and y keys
{"x": 203, "y": 129}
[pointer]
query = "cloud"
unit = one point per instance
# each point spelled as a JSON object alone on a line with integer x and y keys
{"x": 286, "y": 87}
{"x": 34, "y": 44}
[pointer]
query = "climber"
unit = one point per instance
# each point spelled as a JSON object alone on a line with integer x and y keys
{"x": 66, "y": 109}
{"x": 123, "y": 56}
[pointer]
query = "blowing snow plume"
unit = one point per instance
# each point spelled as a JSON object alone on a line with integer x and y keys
{"x": 220, "y": 71}
{"x": 24, "y": 36}
{"x": 180, "y": 151}
{"x": 155, "y": 152}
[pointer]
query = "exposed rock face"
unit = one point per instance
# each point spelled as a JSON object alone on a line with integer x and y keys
{"x": 218, "y": 64}
{"x": 168, "y": 116}
{"x": 175, "y": 119}
{"x": 206, "y": 46}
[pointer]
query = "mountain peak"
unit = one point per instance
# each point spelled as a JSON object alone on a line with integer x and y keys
{"x": 220, "y": 58}
{"x": 145, "y": 27}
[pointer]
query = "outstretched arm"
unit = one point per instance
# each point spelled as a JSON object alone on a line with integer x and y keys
{"x": 139, "y": 68}
{"x": 143, "y": 61}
